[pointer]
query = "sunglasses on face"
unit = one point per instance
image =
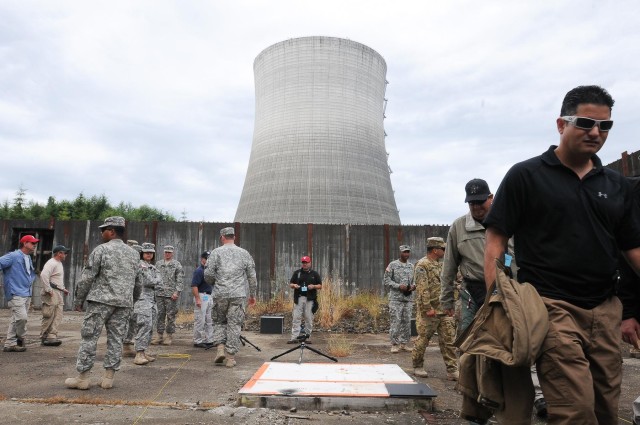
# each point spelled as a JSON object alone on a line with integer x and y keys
{"x": 585, "y": 123}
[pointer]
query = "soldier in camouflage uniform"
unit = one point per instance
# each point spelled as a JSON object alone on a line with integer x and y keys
{"x": 398, "y": 277}
{"x": 167, "y": 296}
{"x": 144, "y": 309}
{"x": 228, "y": 269}
{"x": 430, "y": 317}
{"x": 109, "y": 285}
{"x": 127, "y": 344}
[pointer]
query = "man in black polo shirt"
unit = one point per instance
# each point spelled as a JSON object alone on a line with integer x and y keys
{"x": 569, "y": 217}
{"x": 203, "y": 323}
{"x": 305, "y": 284}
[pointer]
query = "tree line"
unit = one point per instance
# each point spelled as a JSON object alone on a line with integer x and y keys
{"x": 81, "y": 208}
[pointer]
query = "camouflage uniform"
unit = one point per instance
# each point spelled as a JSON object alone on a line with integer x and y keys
{"x": 145, "y": 310}
{"x": 172, "y": 282}
{"x": 131, "y": 328}
{"x": 109, "y": 285}
{"x": 229, "y": 267}
{"x": 398, "y": 273}
{"x": 427, "y": 279}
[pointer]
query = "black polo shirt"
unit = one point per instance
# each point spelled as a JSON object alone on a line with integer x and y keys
{"x": 567, "y": 231}
{"x": 304, "y": 279}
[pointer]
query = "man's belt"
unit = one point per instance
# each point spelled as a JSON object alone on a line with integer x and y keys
{"x": 204, "y": 292}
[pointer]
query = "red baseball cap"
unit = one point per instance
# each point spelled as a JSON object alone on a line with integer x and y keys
{"x": 305, "y": 259}
{"x": 29, "y": 238}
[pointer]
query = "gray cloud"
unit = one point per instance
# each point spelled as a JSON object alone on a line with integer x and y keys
{"x": 152, "y": 101}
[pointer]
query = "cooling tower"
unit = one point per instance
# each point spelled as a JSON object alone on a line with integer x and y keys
{"x": 318, "y": 153}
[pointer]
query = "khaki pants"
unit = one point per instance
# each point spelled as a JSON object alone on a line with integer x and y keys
{"x": 580, "y": 369}
{"x": 18, "y": 327}
{"x": 52, "y": 310}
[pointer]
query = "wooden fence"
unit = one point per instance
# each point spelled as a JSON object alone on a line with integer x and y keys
{"x": 354, "y": 255}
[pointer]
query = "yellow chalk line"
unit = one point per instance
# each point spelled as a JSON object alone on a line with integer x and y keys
{"x": 165, "y": 356}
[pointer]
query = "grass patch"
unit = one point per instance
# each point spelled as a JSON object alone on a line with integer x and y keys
{"x": 336, "y": 304}
{"x": 278, "y": 304}
{"x": 340, "y": 346}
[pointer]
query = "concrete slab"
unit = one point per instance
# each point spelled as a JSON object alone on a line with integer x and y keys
{"x": 313, "y": 386}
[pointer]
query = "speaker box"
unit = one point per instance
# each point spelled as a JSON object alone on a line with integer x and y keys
{"x": 271, "y": 324}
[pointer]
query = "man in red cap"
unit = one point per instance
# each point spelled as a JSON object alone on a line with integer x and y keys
{"x": 305, "y": 284}
{"x": 19, "y": 274}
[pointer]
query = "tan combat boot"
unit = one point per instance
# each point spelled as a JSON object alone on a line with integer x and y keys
{"x": 420, "y": 372}
{"x": 231, "y": 362}
{"x": 405, "y": 347}
{"x": 140, "y": 359}
{"x": 149, "y": 357}
{"x": 220, "y": 354}
{"x": 168, "y": 340}
{"x": 107, "y": 379}
{"x": 81, "y": 382}
{"x": 127, "y": 350}
{"x": 158, "y": 339}
{"x": 453, "y": 376}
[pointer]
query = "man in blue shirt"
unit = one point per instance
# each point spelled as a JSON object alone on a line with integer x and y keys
{"x": 203, "y": 323}
{"x": 19, "y": 274}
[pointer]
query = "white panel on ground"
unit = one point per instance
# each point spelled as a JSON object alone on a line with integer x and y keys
{"x": 325, "y": 379}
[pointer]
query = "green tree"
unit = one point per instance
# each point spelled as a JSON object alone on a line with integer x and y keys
{"x": 17, "y": 209}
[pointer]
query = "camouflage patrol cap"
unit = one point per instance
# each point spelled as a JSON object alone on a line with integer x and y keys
{"x": 168, "y": 248}
{"x": 137, "y": 248}
{"x": 404, "y": 248}
{"x": 113, "y": 222}
{"x": 148, "y": 247}
{"x": 436, "y": 242}
{"x": 132, "y": 242}
{"x": 228, "y": 231}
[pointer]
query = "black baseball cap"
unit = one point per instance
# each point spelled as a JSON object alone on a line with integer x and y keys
{"x": 205, "y": 254}
{"x": 59, "y": 248}
{"x": 477, "y": 191}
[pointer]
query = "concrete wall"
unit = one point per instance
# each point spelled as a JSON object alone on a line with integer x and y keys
{"x": 354, "y": 254}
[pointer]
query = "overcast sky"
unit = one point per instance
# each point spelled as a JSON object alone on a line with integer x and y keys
{"x": 153, "y": 101}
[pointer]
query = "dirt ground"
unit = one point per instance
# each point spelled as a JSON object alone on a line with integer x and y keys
{"x": 184, "y": 387}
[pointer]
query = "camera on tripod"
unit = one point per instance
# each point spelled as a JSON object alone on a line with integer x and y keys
{"x": 303, "y": 337}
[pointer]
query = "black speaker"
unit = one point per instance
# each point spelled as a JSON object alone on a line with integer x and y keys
{"x": 271, "y": 324}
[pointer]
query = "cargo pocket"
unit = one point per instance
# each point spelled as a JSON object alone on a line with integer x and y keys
{"x": 47, "y": 310}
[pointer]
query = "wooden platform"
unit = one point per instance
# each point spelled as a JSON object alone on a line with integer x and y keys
{"x": 329, "y": 386}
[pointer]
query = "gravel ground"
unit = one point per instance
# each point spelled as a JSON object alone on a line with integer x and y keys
{"x": 186, "y": 388}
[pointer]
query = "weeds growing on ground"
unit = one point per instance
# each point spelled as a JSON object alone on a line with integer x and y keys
{"x": 340, "y": 345}
{"x": 337, "y": 303}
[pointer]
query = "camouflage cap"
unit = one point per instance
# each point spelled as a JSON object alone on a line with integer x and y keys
{"x": 113, "y": 222}
{"x": 132, "y": 242}
{"x": 137, "y": 248}
{"x": 228, "y": 231}
{"x": 148, "y": 247}
{"x": 436, "y": 242}
{"x": 168, "y": 248}
{"x": 404, "y": 248}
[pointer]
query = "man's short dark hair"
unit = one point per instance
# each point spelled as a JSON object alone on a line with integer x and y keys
{"x": 119, "y": 231}
{"x": 431, "y": 248}
{"x": 585, "y": 94}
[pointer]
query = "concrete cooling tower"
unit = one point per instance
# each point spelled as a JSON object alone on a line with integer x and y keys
{"x": 318, "y": 153}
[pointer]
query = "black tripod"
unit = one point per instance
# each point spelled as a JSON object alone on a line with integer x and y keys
{"x": 303, "y": 338}
{"x": 244, "y": 342}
